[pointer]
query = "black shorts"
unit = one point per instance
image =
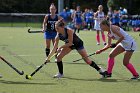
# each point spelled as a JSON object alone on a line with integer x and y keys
{"x": 78, "y": 46}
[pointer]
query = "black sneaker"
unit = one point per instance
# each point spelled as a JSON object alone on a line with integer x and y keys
{"x": 135, "y": 77}
{"x": 106, "y": 74}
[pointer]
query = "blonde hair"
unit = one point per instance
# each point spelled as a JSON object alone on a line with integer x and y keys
{"x": 52, "y": 5}
{"x": 100, "y": 7}
{"x": 105, "y": 22}
{"x": 60, "y": 23}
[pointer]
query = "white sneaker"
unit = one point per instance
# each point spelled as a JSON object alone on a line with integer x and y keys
{"x": 0, "y": 76}
{"x": 98, "y": 43}
{"x": 101, "y": 71}
{"x": 58, "y": 75}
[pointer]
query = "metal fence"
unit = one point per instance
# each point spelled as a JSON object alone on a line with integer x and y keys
{"x": 35, "y": 20}
{"x": 21, "y": 19}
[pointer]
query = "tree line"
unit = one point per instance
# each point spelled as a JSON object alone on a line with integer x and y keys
{"x": 42, "y": 6}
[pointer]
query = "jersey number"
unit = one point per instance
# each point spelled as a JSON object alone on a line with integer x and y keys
{"x": 52, "y": 26}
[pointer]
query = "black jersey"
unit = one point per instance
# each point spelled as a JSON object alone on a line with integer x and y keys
{"x": 51, "y": 23}
{"x": 77, "y": 42}
{"x": 78, "y": 14}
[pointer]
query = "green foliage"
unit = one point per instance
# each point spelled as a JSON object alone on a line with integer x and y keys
{"x": 28, "y": 6}
{"x": 115, "y": 4}
{"x": 42, "y": 6}
{"x": 131, "y": 5}
{"x": 110, "y": 3}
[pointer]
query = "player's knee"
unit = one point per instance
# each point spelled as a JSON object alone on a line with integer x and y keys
{"x": 125, "y": 62}
{"x": 111, "y": 55}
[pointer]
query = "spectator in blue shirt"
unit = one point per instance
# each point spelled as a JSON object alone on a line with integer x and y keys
{"x": 64, "y": 15}
{"x": 116, "y": 18}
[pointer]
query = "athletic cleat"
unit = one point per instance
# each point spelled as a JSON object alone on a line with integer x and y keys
{"x": 106, "y": 74}
{"x": 58, "y": 75}
{"x": 0, "y": 76}
{"x": 98, "y": 43}
{"x": 135, "y": 77}
{"x": 101, "y": 70}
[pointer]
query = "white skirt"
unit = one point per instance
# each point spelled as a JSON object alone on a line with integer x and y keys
{"x": 129, "y": 46}
{"x": 97, "y": 25}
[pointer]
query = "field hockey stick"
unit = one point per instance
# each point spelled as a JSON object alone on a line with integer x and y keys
{"x": 34, "y": 31}
{"x": 19, "y": 72}
{"x": 90, "y": 54}
{"x": 48, "y": 58}
{"x": 84, "y": 57}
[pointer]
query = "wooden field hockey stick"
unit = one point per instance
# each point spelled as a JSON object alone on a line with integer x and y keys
{"x": 19, "y": 72}
{"x": 90, "y": 55}
{"x": 48, "y": 58}
{"x": 34, "y": 31}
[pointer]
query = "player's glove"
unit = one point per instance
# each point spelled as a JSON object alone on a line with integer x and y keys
{"x": 113, "y": 45}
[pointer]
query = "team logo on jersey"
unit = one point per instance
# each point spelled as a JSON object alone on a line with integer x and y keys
{"x": 51, "y": 22}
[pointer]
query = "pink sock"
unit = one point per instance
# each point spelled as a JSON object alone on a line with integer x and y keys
{"x": 131, "y": 68}
{"x": 98, "y": 38}
{"x": 103, "y": 37}
{"x": 110, "y": 65}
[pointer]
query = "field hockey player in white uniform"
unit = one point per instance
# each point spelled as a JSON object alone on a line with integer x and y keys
{"x": 125, "y": 43}
{"x": 99, "y": 16}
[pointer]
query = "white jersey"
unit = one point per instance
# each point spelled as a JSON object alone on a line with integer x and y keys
{"x": 100, "y": 17}
{"x": 128, "y": 43}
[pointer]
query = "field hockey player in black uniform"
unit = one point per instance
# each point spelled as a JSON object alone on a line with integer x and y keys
{"x": 72, "y": 41}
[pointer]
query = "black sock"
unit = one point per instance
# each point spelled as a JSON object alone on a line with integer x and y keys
{"x": 60, "y": 67}
{"x": 75, "y": 30}
{"x": 78, "y": 30}
{"x": 47, "y": 51}
{"x": 94, "y": 65}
